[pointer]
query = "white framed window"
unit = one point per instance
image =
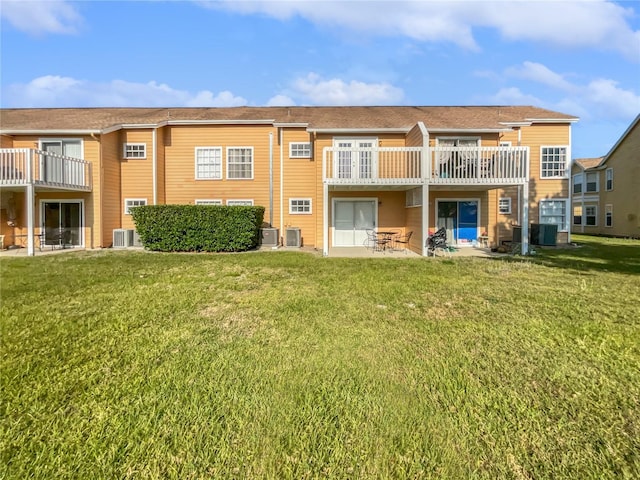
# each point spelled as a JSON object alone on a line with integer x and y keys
{"x": 577, "y": 184}
{"x": 554, "y": 212}
{"x": 553, "y": 162}
{"x": 240, "y": 163}
{"x": 413, "y": 197}
{"x": 300, "y": 150}
{"x": 208, "y": 163}
{"x": 299, "y": 206}
{"x": 134, "y": 150}
{"x": 577, "y": 214}
{"x": 133, "y": 202}
{"x": 608, "y": 215}
{"x": 591, "y": 182}
{"x": 504, "y": 206}
{"x": 207, "y": 201}
{"x": 240, "y": 202}
{"x": 591, "y": 215}
{"x": 609, "y": 179}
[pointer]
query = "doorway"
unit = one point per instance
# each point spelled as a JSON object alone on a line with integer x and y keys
{"x": 460, "y": 219}
{"x": 62, "y": 222}
{"x": 351, "y": 220}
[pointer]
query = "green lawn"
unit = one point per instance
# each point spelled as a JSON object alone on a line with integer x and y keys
{"x": 118, "y": 364}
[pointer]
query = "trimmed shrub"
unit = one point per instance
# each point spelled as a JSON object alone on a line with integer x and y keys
{"x": 198, "y": 228}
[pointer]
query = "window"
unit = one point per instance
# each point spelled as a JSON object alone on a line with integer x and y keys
{"x": 554, "y": 212}
{"x": 208, "y": 202}
{"x": 300, "y": 150}
{"x": 133, "y": 202}
{"x": 240, "y": 162}
{"x": 299, "y": 205}
{"x": 609, "y": 179}
{"x": 553, "y": 162}
{"x": 208, "y": 163}
{"x": 135, "y": 150}
{"x": 413, "y": 197}
{"x": 591, "y": 215}
{"x": 239, "y": 203}
{"x": 504, "y": 206}
{"x": 577, "y": 184}
{"x": 592, "y": 182}
{"x": 608, "y": 215}
{"x": 577, "y": 214}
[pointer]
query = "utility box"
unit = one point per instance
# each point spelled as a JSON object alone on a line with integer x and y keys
{"x": 122, "y": 238}
{"x": 517, "y": 235}
{"x": 543, "y": 234}
{"x": 293, "y": 237}
{"x": 269, "y": 237}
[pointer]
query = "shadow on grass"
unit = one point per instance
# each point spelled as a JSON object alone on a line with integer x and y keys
{"x": 592, "y": 254}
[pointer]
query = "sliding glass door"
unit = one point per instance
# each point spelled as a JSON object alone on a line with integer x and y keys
{"x": 62, "y": 222}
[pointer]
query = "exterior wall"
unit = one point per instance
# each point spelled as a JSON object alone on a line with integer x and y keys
{"x": 6, "y": 141}
{"x": 299, "y": 181}
{"x": 160, "y": 165}
{"x": 181, "y": 185}
{"x": 625, "y": 196}
{"x": 413, "y": 223}
{"x": 414, "y": 138}
{"x": 136, "y": 175}
{"x": 111, "y": 152}
{"x": 483, "y": 196}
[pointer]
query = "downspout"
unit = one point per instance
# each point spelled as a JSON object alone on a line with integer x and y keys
{"x": 280, "y": 131}
{"x": 569, "y": 207}
{"x": 271, "y": 179}
{"x": 154, "y": 165}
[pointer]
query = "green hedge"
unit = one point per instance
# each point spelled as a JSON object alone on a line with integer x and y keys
{"x": 198, "y": 228}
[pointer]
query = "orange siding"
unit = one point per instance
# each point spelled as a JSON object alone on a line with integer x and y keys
{"x": 160, "y": 168}
{"x": 6, "y": 141}
{"x": 111, "y": 196}
{"x": 414, "y": 138}
{"x": 136, "y": 179}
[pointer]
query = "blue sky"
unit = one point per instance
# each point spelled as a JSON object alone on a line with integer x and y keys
{"x": 577, "y": 57}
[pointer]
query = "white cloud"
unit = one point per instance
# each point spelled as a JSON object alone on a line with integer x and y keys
{"x": 56, "y": 91}
{"x": 280, "y": 101}
{"x": 41, "y": 17}
{"x": 598, "y": 24}
{"x": 312, "y": 89}
{"x": 600, "y": 98}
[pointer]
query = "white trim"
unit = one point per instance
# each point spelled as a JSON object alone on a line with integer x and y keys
{"x": 574, "y": 183}
{"x": 207, "y": 201}
{"x": 291, "y": 125}
{"x": 219, "y": 122}
{"x": 247, "y": 201}
{"x": 478, "y": 219}
{"x": 154, "y": 166}
{"x": 469, "y": 130}
{"x": 373, "y": 200}
{"x": 195, "y": 159}
{"x": 304, "y": 155}
{"x": 477, "y": 138}
{"x": 63, "y": 139}
{"x": 509, "y": 210}
{"x": 606, "y": 180}
{"x": 585, "y": 198}
{"x": 309, "y": 200}
{"x": 608, "y": 206}
{"x": 50, "y": 132}
{"x": 553, "y": 120}
{"x": 567, "y": 162}
{"x": 126, "y": 207}
{"x": 595, "y": 215}
{"x": 65, "y": 200}
{"x": 136, "y": 144}
{"x": 234, "y": 147}
{"x": 567, "y": 211}
{"x": 359, "y": 130}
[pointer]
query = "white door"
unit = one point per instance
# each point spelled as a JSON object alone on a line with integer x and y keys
{"x": 351, "y": 220}
{"x": 357, "y": 160}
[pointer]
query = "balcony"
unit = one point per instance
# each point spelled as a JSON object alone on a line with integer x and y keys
{"x": 28, "y": 166}
{"x": 420, "y": 165}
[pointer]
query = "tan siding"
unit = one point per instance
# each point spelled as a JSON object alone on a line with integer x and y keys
{"x": 414, "y": 138}
{"x": 160, "y": 167}
{"x": 136, "y": 179}
{"x": 111, "y": 198}
{"x": 6, "y": 141}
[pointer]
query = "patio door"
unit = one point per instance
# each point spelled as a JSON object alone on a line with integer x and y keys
{"x": 62, "y": 222}
{"x": 54, "y": 169}
{"x": 351, "y": 220}
{"x": 359, "y": 161}
{"x": 460, "y": 219}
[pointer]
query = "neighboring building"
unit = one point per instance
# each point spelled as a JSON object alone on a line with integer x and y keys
{"x": 606, "y": 190}
{"x": 332, "y": 172}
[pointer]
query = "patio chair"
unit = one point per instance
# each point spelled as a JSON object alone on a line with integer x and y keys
{"x": 402, "y": 241}
{"x": 438, "y": 241}
{"x": 376, "y": 242}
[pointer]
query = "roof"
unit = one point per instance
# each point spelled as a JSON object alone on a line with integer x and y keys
{"x": 398, "y": 117}
{"x": 587, "y": 163}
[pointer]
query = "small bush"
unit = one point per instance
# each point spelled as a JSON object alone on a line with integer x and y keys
{"x": 198, "y": 228}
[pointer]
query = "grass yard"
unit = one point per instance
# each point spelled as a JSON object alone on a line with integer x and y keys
{"x": 121, "y": 364}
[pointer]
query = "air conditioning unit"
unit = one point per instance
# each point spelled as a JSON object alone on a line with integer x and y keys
{"x": 122, "y": 238}
{"x": 292, "y": 237}
{"x": 269, "y": 237}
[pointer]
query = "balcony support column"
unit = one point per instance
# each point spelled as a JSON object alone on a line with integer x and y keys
{"x": 425, "y": 218}
{"x": 30, "y": 200}
{"x": 325, "y": 219}
{"x": 525, "y": 218}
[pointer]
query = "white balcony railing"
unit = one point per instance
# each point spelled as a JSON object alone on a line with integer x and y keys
{"x": 25, "y": 166}
{"x": 418, "y": 165}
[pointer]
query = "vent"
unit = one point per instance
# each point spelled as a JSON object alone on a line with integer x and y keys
{"x": 293, "y": 238}
{"x": 122, "y": 238}
{"x": 269, "y": 237}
